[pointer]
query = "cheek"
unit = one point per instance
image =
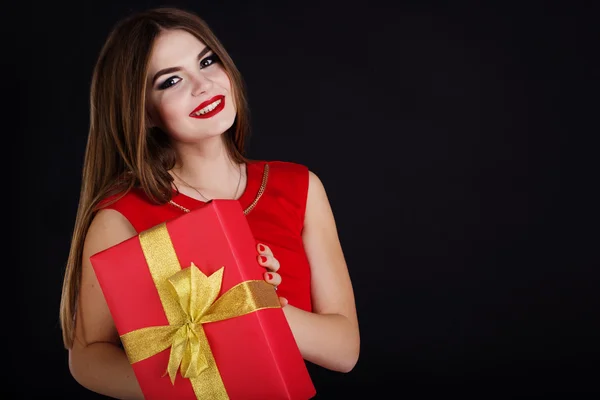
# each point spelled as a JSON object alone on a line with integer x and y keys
{"x": 168, "y": 111}
{"x": 226, "y": 84}
{"x": 221, "y": 79}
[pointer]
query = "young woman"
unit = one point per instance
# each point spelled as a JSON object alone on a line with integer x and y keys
{"x": 168, "y": 123}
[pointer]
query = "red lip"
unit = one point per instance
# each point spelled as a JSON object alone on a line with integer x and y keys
{"x": 207, "y": 102}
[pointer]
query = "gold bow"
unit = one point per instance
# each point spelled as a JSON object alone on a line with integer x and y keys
{"x": 189, "y": 298}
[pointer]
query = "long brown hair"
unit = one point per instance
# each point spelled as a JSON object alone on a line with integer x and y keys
{"x": 122, "y": 151}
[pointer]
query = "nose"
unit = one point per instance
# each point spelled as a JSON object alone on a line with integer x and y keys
{"x": 200, "y": 84}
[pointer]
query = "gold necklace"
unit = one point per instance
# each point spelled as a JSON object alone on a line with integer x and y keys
{"x": 203, "y": 196}
{"x": 259, "y": 194}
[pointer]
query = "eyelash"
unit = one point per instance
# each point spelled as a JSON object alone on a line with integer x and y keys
{"x": 213, "y": 58}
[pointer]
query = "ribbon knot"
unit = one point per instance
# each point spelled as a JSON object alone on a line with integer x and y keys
{"x": 195, "y": 293}
{"x": 191, "y": 326}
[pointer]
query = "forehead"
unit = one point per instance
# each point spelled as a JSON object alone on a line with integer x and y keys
{"x": 174, "y": 47}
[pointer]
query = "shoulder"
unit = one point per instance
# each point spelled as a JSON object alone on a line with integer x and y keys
{"x": 300, "y": 172}
{"x": 287, "y": 183}
{"x": 317, "y": 201}
{"x": 131, "y": 199}
{"x": 138, "y": 209}
{"x": 107, "y": 228}
{"x": 287, "y": 175}
{"x": 306, "y": 181}
{"x": 287, "y": 167}
{"x": 111, "y": 216}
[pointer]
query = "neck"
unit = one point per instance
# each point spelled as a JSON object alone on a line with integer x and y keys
{"x": 208, "y": 168}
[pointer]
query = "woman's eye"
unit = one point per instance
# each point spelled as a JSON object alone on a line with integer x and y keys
{"x": 169, "y": 82}
{"x": 209, "y": 61}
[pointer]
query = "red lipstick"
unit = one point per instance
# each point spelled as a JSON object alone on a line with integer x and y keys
{"x": 211, "y": 113}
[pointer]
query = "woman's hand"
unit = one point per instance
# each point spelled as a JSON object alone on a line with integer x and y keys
{"x": 266, "y": 259}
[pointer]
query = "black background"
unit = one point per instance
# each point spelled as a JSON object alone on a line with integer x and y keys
{"x": 458, "y": 148}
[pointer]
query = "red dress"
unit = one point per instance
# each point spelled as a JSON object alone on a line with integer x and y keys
{"x": 276, "y": 219}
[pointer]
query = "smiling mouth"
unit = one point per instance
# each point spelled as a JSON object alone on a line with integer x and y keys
{"x": 209, "y": 108}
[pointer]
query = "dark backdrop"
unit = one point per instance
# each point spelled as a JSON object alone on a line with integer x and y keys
{"x": 457, "y": 146}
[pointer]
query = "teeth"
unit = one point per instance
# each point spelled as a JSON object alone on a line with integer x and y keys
{"x": 208, "y": 108}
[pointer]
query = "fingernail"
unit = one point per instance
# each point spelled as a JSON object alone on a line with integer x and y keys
{"x": 263, "y": 259}
{"x": 261, "y": 247}
{"x": 270, "y": 276}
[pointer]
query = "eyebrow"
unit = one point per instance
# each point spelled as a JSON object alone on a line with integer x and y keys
{"x": 175, "y": 69}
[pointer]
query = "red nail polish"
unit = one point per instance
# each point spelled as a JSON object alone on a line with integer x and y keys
{"x": 261, "y": 247}
{"x": 263, "y": 259}
{"x": 270, "y": 276}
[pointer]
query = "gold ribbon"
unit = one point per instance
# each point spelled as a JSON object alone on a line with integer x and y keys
{"x": 189, "y": 299}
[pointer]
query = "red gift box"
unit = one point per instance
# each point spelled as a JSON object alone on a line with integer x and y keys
{"x": 195, "y": 316}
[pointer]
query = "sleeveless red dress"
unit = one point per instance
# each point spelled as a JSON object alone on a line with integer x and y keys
{"x": 276, "y": 219}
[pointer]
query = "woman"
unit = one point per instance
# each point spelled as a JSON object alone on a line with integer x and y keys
{"x": 168, "y": 123}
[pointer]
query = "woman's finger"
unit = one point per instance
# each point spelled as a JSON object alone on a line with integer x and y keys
{"x": 269, "y": 262}
{"x": 283, "y": 301}
{"x": 273, "y": 278}
{"x": 264, "y": 249}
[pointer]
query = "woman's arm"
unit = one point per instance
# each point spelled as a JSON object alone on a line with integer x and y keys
{"x": 329, "y": 336}
{"x": 96, "y": 359}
